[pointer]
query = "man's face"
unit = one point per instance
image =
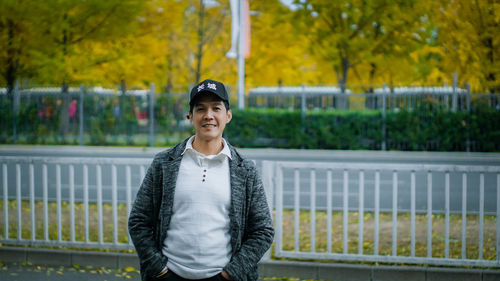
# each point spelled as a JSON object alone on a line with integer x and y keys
{"x": 209, "y": 117}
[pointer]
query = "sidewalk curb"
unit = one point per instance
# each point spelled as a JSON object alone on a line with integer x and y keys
{"x": 54, "y": 257}
{"x": 353, "y": 272}
{"x": 269, "y": 268}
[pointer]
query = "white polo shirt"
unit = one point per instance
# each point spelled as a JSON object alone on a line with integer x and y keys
{"x": 198, "y": 240}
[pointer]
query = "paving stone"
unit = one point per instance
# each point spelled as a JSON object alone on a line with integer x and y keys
{"x": 128, "y": 260}
{"x": 288, "y": 269}
{"x": 52, "y": 257}
{"x": 344, "y": 272}
{"x": 96, "y": 259}
{"x": 453, "y": 275}
{"x": 395, "y": 273}
{"x": 12, "y": 255}
{"x": 491, "y": 275}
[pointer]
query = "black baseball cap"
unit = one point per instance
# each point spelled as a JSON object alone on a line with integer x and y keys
{"x": 209, "y": 86}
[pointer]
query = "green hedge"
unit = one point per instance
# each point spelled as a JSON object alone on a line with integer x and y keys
{"x": 434, "y": 130}
{"x": 39, "y": 120}
{"x": 427, "y": 129}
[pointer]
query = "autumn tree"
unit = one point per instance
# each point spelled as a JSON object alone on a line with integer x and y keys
{"x": 18, "y": 39}
{"x": 136, "y": 58}
{"x": 69, "y": 26}
{"x": 164, "y": 27}
{"x": 278, "y": 54}
{"x": 469, "y": 37}
{"x": 357, "y": 32}
{"x": 209, "y": 22}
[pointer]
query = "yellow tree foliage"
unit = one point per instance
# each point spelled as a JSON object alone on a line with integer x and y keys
{"x": 19, "y": 39}
{"x": 357, "y": 44}
{"x": 71, "y": 29}
{"x": 176, "y": 44}
{"x": 360, "y": 38}
{"x": 138, "y": 58}
{"x": 469, "y": 39}
{"x": 278, "y": 53}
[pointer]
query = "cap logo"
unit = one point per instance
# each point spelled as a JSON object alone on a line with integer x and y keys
{"x": 212, "y": 86}
{"x": 201, "y": 87}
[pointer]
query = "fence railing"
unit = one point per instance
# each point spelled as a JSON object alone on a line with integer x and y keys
{"x": 99, "y": 117}
{"x": 321, "y": 212}
{"x": 396, "y": 213}
{"x": 91, "y": 115}
{"x": 409, "y": 98}
{"x": 72, "y": 202}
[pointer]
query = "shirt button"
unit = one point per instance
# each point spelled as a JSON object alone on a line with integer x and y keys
{"x": 204, "y": 175}
{"x": 203, "y": 180}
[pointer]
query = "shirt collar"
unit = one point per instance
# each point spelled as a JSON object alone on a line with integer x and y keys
{"x": 225, "y": 150}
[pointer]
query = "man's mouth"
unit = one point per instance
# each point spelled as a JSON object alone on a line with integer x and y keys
{"x": 209, "y": 126}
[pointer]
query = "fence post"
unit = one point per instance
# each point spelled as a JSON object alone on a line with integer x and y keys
{"x": 80, "y": 113}
{"x": 151, "y": 115}
{"x": 454, "y": 97}
{"x": 384, "y": 147}
{"x": 303, "y": 109}
{"x": 445, "y": 96}
{"x": 15, "y": 111}
{"x": 303, "y": 103}
{"x": 468, "y": 111}
{"x": 268, "y": 174}
{"x": 468, "y": 97}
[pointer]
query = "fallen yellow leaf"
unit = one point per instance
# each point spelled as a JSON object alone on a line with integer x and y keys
{"x": 129, "y": 269}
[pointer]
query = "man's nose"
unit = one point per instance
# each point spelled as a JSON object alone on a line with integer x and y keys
{"x": 209, "y": 114}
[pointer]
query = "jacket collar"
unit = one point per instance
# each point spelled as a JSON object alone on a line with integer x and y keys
{"x": 176, "y": 153}
{"x": 224, "y": 152}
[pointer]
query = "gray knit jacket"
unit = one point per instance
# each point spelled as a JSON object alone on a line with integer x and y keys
{"x": 250, "y": 226}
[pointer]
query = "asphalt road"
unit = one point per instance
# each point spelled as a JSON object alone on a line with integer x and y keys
{"x": 308, "y": 156}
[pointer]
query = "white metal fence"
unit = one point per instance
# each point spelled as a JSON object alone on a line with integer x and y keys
{"x": 356, "y": 184}
{"x": 84, "y": 202}
{"x": 42, "y": 198}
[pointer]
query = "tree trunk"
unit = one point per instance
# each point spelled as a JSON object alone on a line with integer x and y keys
{"x": 373, "y": 71}
{"x": 170, "y": 66}
{"x": 343, "y": 79}
{"x": 64, "y": 117}
{"x": 201, "y": 39}
{"x": 121, "y": 103}
{"x": 344, "y": 66}
{"x": 12, "y": 59}
{"x": 491, "y": 77}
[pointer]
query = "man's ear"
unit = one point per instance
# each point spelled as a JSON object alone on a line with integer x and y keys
{"x": 229, "y": 115}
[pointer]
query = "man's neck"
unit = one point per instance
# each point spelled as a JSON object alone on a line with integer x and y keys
{"x": 211, "y": 147}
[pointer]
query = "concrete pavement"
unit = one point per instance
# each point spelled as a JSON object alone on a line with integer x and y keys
{"x": 27, "y": 271}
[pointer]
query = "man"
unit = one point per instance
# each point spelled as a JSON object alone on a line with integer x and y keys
{"x": 201, "y": 211}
